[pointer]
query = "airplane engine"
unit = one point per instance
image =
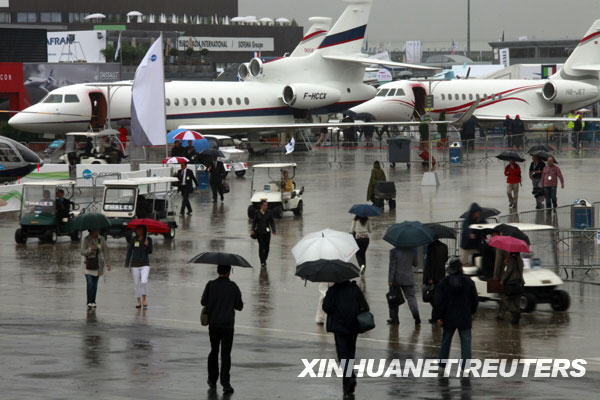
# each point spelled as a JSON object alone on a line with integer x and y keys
{"x": 566, "y": 92}
{"x": 307, "y": 96}
{"x": 243, "y": 71}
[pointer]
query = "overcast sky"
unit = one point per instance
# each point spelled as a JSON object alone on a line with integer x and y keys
{"x": 440, "y": 20}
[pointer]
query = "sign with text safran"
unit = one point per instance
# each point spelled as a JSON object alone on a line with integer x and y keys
{"x": 224, "y": 43}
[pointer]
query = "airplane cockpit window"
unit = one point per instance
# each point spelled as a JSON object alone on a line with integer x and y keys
{"x": 7, "y": 154}
{"x": 168, "y": 102}
{"x": 176, "y": 102}
{"x": 400, "y": 92}
{"x": 238, "y": 101}
{"x": 53, "y": 98}
{"x": 71, "y": 98}
{"x": 392, "y": 92}
{"x": 383, "y": 92}
{"x": 246, "y": 101}
{"x": 185, "y": 101}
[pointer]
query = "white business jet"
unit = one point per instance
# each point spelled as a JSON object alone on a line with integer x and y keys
{"x": 575, "y": 86}
{"x": 330, "y": 79}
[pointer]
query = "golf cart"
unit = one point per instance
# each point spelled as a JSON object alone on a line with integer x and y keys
{"x": 102, "y": 147}
{"x": 128, "y": 199}
{"x": 233, "y": 160}
{"x": 540, "y": 281}
{"x": 39, "y": 215}
{"x": 52, "y": 154}
{"x": 279, "y": 201}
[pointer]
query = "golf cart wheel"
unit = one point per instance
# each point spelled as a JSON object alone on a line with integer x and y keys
{"x": 241, "y": 173}
{"x": 251, "y": 211}
{"x": 298, "y": 210}
{"x": 278, "y": 211}
{"x": 75, "y": 236}
{"x": 560, "y": 300}
{"x": 50, "y": 237}
{"x": 392, "y": 165}
{"x": 20, "y": 237}
{"x": 527, "y": 302}
{"x": 171, "y": 234}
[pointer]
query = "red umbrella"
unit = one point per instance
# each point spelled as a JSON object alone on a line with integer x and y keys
{"x": 188, "y": 135}
{"x": 509, "y": 244}
{"x": 175, "y": 160}
{"x": 152, "y": 225}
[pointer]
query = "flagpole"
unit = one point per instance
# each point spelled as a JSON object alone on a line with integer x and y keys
{"x": 164, "y": 95}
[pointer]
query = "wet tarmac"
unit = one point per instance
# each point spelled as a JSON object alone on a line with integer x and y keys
{"x": 52, "y": 348}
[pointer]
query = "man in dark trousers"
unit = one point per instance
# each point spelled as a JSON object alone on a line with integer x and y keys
{"x": 518, "y": 131}
{"x": 187, "y": 180}
{"x": 507, "y": 124}
{"x": 216, "y": 170}
{"x": 455, "y": 303}
{"x": 221, "y": 298}
{"x": 342, "y": 303}
{"x": 468, "y": 132}
{"x": 63, "y": 206}
{"x": 401, "y": 279}
{"x": 434, "y": 269}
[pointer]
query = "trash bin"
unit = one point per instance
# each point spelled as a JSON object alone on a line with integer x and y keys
{"x": 582, "y": 214}
{"x": 203, "y": 177}
{"x": 398, "y": 150}
{"x": 455, "y": 153}
{"x": 385, "y": 191}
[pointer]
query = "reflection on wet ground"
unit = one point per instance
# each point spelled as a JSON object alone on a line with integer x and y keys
{"x": 49, "y": 342}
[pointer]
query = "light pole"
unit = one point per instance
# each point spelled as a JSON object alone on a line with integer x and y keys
{"x": 468, "y": 28}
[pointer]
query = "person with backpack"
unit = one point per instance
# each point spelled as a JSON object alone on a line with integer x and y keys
{"x": 94, "y": 257}
{"x": 137, "y": 259}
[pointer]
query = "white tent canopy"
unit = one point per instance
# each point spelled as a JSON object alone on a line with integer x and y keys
{"x": 134, "y": 14}
{"x": 95, "y": 16}
{"x": 283, "y": 20}
{"x": 266, "y": 20}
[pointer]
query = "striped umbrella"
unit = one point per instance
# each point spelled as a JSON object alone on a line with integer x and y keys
{"x": 188, "y": 135}
{"x": 175, "y": 160}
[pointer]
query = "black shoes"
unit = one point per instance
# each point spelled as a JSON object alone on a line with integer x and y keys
{"x": 212, "y": 385}
{"x": 227, "y": 389}
{"x": 393, "y": 322}
{"x": 417, "y": 321}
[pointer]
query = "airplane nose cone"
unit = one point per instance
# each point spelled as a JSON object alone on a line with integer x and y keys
{"x": 24, "y": 122}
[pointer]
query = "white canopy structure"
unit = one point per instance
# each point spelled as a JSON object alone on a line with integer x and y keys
{"x": 94, "y": 16}
{"x": 283, "y": 20}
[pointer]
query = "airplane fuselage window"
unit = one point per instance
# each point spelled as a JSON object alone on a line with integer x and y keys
{"x": 229, "y": 101}
{"x": 212, "y": 101}
{"x": 470, "y": 96}
{"x": 53, "y": 98}
{"x": 71, "y": 98}
{"x": 185, "y": 101}
{"x": 168, "y": 102}
{"x": 392, "y": 92}
{"x": 443, "y": 97}
{"x": 464, "y": 97}
{"x": 221, "y": 102}
{"x": 455, "y": 96}
{"x": 238, "y": 101}
{"x": 449, "y": 96}
{"x": 203, "y": 101}
{"x": 194, "y": 101}
{"x": 176, "y": 102}
{"x": 485, "y": 96}
{"x": 246, "y": 100}
{"x": 382, "y": 92}
{"x": 477, "y": 96}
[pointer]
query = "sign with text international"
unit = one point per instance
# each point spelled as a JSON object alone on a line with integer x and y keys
{"x": 225, "y": 43}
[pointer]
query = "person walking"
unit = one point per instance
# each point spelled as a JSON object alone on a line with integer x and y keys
{"x": 434, "y": 269}
{"x": 190, "y": 151}
{"x": 187, "y": 180}
{"x": 377, "y": 175}
{"x": 401, "y": 278}
{"x": 551, "y": 174}
{"x": 137, "y": 259}
{"x": 518, "y": 131}
{"x": 216, "y": 169}
{"x": 470, "y": 240}
{"x": 535, "y": 174}
{"x": 263, "y": 225}
{"x": 507, "y": 125}
{"x": 94, "y": 257}
{"x": 343, "y": 302}
{"x": 513, "y": 179}
{"x": 178, "y": 150}
{"x": 455, "y": 303}
{"x": 510, "y": 273}
{"x": 221, "y": 297}
{"x": 361, "y": 228}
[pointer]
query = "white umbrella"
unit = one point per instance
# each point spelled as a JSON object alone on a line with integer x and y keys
{"x": 266, "y": 20}
{"x": 95, "y": 16}
{"x": 325, "y": 245}
{"x": 250, "y": 19}
{"x": 238, "y": 19}
{"x": 283, "y": 20}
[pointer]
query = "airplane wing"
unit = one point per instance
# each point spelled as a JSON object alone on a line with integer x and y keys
{"x": 373, "y": 61}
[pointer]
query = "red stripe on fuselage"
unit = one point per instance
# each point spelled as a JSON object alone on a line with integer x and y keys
{"x": 590, "y": 36}
{"x": 466, "y": 105}
{"x": 452, "y": 110}
{"x": 313, "y": 35}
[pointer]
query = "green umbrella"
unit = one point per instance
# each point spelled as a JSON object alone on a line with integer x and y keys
{"x": 91, "y": 221}
{"x": 409, "y": 234}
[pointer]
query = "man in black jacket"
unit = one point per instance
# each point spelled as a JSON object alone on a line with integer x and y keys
{"x": 342, "y": 303}
{"x": 221, "y": 298}
{"x": 518, "y": 131}
{"x": 217, "y": 172}
{"x": 187, "y": 180}
{"x": 455, "y": 303}
{"x": 434, "y": 269}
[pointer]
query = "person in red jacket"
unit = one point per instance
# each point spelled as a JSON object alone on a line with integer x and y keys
{"x": 513, "y": 179}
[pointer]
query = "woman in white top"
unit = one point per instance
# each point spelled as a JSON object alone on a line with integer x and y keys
{"x": 361, "y": 227}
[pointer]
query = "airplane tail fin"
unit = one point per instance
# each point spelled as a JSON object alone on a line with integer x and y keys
{"x": 347, "y": 35}
{"x": 313, "y": 37}
{"x": 585, "y": 59}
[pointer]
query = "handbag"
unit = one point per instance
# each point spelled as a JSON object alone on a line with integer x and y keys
{"x": 494, "y": 286}
{"x": 92, "y": 263}
{"x": 225, "y": 187}
{"x": 395, "y": 297}
{"x": 204, "y": 316}
{"x": 428, "y": 292}
{"x": 366, "y": 321}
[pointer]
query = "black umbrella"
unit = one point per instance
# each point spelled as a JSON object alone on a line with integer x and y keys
{"x": 441, "y": 231}
{"x": 539, "y": 147}
{"x": 327, "y": 271}
{"x": 212, "y": 153}
{"x": 509, "y": 230}
{"x": 544, "y": 155}
{"x": 215, "y": 258}
{"x": 510, "y": 155}
{"x": 485, "y": 213}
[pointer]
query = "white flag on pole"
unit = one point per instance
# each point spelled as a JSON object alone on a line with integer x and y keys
{"x": 148, "y": 120}
{"x": 118, "y": 47}
{"x": 289, "y": 148}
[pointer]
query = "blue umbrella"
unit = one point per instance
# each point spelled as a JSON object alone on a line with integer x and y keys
{"x": 409, "y": 234}
{"x": 199, "y": 145}
{"x": 365, "y": 210}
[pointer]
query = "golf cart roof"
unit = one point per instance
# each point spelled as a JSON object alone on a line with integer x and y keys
{"x": 106, "y": 132}
{"x": 56, "y": 182}
{"x": 521, "y": 226}
{"x": 218, "y": 137}
{"x": 140, "y": 181}
{"x": 275, "y": 165}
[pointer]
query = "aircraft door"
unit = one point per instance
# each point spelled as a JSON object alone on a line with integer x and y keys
{"x": 99, "y": 111}
{"x": 419, "y": 109}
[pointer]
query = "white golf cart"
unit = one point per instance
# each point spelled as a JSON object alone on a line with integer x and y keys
{"x": 127, "y": 199}
{"x": 234, "y": 159}
{"x": 102, "y": 147}
{"x": 279, "y": 201}
{"x": 540, "y": 281}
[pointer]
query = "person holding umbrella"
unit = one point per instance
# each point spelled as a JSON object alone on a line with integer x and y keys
{"x": 509, "y": 270}
{"x": 94, "y": 257}
{"x": 434, "y": 269}
{"x": 550, "y": 177}
{"x": 137, "y": 259}
{"x": 513, "y": 179}
{"x": 187, "y": 180}
{"x": 263, "y": 225}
